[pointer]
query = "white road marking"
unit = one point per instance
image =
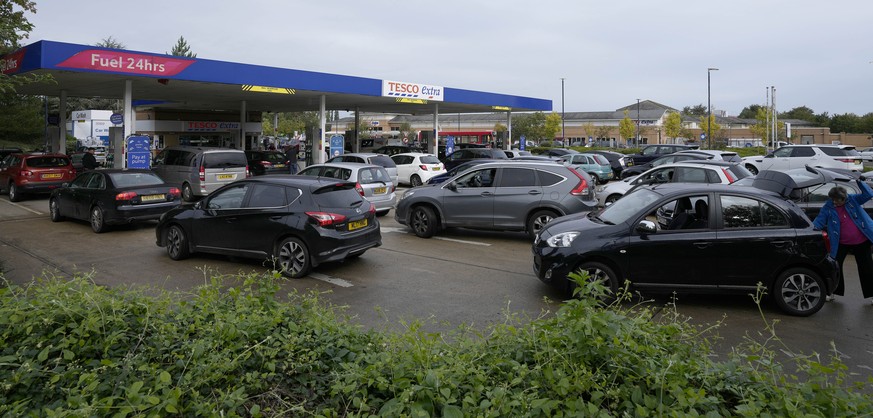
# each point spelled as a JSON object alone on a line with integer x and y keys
{"x": 392, "y": 229}
{"x": 24, "y": 207}
{"x": 404, "y": 230}
{"x": 331, "y": 280}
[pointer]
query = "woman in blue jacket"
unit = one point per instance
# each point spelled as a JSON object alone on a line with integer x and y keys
{"x": 850, "y": 230}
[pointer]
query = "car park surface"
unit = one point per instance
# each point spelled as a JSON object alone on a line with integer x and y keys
{"x": 502, "y": 196}
{"x": 293, "y": 222}
{"x": 461, "y": 277}
{"x": 768, "y": 239}
{"x": 113, "y": 197}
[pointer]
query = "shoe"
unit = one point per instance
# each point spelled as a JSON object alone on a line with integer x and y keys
{"x": 829, "y": 298}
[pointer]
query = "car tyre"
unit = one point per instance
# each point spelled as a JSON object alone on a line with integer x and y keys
{"x": 415, "y": 180}
{"x": 293, "y": 258}
{"x": 98, "y": 220}
{"x": 14, "y": 193}
{"x": 596, "y": 178}
{"x": 752, "y": 169}
{"x": 424, "y": 222}
{"x": 612, "y": 198}
{"x": 187, "y": 193}
{"x": 799, "y": 292}
{"x": 55, "y": 210}
{"x": 177, "y": 243}
{"x": 600, "y": 272}
{"x": 538, "y": 221}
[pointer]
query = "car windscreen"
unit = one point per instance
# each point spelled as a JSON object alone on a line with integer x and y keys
{"x": 628, "y": 206}
{"x": 383, "y": 160}
{"x": 47, "y": 162}
{"x": 224, "y": 160}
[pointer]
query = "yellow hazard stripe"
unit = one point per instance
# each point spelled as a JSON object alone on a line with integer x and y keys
{"x": 267, "y": 89}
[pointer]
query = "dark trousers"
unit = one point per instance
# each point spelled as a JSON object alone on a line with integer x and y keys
{"x": 864, "y": 259}
{"x": 292, "y": 165}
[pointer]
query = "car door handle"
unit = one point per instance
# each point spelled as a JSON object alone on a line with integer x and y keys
{"x": 487, "y": 194}
{"x": 779, "y": 244}
{"x": 534, "y": 192}
{"x": 702, "y": 245}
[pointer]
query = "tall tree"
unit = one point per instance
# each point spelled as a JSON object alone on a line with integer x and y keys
{"x": 110, "y": 42}
{"x": 531, "y": 126}
{"x": 847, "y": 122}
{"x": 801, "y": 113}
{"x": 750, "y": 112}
{"x": 696, "y": 110}
{"x": 626, "y": 127}
{"x": 673, "y": 125}
{"x": 182, "y": 49}
{"x": 552, "y": 126}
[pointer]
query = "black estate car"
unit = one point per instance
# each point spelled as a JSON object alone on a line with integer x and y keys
{"x": 294, "y": 222}
{"x": 722, "y": 239}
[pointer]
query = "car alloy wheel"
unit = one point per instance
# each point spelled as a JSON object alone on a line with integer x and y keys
{"x": 415, "y": 180}
{"x": 177, "y": 243}
{"x": 14, "y": 194}
{"x": 187, "y": 193}
{"x": 293, "y": 258}
{"x": 752, "y": 169}
{"x": 538, "y": 221}
{"x": 602, "y": 273}
{"x": 98, "y": 223}
{"x": 423, "y": 222}
{"x": 799, "y": 292}
{"x": 55, "y": 211}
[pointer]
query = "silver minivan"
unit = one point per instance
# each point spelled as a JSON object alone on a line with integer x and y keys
{"x": 200, "y": 170}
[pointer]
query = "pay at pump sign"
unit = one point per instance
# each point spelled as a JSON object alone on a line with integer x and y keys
{"x": 139, "y": 152}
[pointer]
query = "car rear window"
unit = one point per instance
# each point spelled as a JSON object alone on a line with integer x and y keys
{"x": 135, "y": 179}
{"x": 739, "y": 171}
{"x": 373, "y": 175}
{"x": 341, "y": 195}
{"x": 731, "y": 157}
{"x": 47, "y": 162}
{"x": 224, "y": 160}
{"x": 383, "y": 160}
{"x": 429, "y": 159}
{"x": 840, "y": 152}
{"x": 601, "y": 159}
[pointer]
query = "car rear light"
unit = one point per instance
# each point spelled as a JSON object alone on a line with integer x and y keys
{"x": 824, "y": 236}
{"x": 202, "y": 173}
{"x": 422, "y": 167}
{"x": 359, "y": 188}
{"x": 175, "y": 192}
{"x": 372, "y": 209}
{"x": 731, "y": 178}
{"x": 266, "y": 163}
{"x": 581, "y": 189}
{"x": 125, "y": 196}
{"x": 328, "y": 219}
{"x": 248, "y": 173}
{"x": 847, "y": 160}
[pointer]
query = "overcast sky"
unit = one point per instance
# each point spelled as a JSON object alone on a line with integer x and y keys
{"x": 816, "y": 53}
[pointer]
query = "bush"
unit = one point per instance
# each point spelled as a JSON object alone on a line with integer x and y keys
{"x": 73, "y": 348}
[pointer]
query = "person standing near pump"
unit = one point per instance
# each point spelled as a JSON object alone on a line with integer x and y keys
{"x": 850, "y": 230}
{"x": 89, "y": 161}
{"x": 291, "y": 156}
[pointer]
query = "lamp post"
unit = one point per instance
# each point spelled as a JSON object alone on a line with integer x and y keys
{"x": 638, "y": 123}
{"x": 563, "y": 138}
{"x": 709, "y": 107}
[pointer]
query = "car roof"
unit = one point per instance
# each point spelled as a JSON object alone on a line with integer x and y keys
{"x": 678, "y": 188}
{"x": 785, "y": 181}
{"x": 296, "y": 181}
{"x": 348, "y": 165}
{"x": 413, "y": 154}
{"x": 697, "y": 163}
{"x": 360, "y": 154}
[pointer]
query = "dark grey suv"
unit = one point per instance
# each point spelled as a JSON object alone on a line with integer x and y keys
{"x": 499, "y": 195}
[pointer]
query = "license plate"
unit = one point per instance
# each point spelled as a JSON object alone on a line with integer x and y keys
{"x": 279, "y": 165}
{"x": 857, "y": 161}
{"x": 357, "y": 224}
{"x": 51, "y": 176}
{"x": 226, "y": 176}
{"x": 152, "y": 198}
{"x": 380, "y": 190}
{"x": 435, "y": 169}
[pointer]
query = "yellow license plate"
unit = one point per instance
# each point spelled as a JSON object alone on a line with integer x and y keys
{"x": 857, "y": 161}
{"x": 435, "y": 169}
{"x": 357, "y": 224}
{"x": 52, "y": 176}
{"x": 152, "y": 198}
{"x": 279, "y": 165}
{"x": 226, "y": 176}
{"x": 380, "y": 190}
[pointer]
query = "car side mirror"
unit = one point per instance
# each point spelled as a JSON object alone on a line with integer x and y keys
{"x": 647, "y": 227}
{"x": 452, "y": 186}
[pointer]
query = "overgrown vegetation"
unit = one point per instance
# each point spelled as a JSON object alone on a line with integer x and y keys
{"x": 235, "y": 348}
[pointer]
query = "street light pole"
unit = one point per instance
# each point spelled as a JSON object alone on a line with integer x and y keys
{"x": 709, "y": 107}
{"x": 638, "y": 123}
{"x": 563, "y": 138}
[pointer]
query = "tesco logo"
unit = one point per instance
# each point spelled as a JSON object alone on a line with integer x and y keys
{"x": 403, "y": 87}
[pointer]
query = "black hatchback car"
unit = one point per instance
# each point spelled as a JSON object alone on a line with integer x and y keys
{"x": 463, "y": 155}
{"x": 267, "y": 162}
{"x": 294, "y": 222}
{"x": 733, "y": 239}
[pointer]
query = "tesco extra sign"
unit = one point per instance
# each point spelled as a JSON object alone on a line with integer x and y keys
{"x": 411, "y": 90}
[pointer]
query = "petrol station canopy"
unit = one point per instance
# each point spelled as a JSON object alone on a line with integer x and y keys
{"x": 166, "y": 81}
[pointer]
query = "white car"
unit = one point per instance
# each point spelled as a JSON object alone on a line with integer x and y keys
{"x": 866, "y": 154}
{"x": 696, "y": 171}
{"x": 813, "y": 155}
{"x": 416, "y": 168}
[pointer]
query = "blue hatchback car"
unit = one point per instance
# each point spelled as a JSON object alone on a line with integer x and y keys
{"x": 596, "y": 165}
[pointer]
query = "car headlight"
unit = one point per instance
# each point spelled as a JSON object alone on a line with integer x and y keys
{"x": 564, "y": 239}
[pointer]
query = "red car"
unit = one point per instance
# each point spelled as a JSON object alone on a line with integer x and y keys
{"x": 34, "y": 173}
